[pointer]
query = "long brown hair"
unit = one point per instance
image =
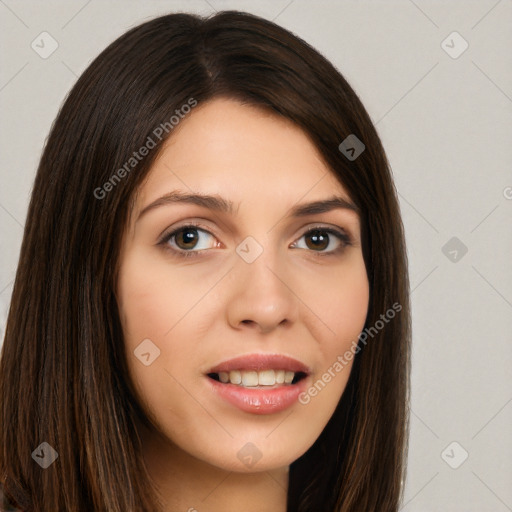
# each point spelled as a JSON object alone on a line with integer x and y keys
{"x": 63, "y": 373}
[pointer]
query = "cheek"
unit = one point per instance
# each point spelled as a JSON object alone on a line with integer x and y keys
{"x": 348, "y": 313}
{"x": 339, "y": 300}
{"x": 161, "y": 314}
{"x": 154, "y": 300}
{"x": 337, "y": 305}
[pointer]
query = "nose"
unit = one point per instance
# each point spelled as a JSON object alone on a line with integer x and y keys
{"x": 261, "y": 297}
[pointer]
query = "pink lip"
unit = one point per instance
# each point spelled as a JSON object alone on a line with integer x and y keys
{"x": 258, "y": 362}
{"x": 260, "y": 400}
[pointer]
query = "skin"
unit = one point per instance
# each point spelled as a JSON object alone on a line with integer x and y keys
{"x": 294, "y": 299}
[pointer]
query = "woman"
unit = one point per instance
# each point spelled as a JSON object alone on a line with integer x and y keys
{"x": 211, "y": 304}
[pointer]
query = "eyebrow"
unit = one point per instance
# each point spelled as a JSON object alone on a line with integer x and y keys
{"x": 219, "y": 204}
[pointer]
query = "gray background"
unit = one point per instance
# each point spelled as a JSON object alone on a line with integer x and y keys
{"x": 446, "y": 125}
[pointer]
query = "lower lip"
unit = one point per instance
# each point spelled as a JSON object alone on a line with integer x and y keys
{"x": 260, "y": 400}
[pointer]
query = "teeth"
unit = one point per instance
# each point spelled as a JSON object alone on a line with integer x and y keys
{"x": 249, "y": 379}
{"x": 252, "y": 379}
{"x": 288, "y": 377}
{"x": 235, "y": 377}
{"x": 267, "y": 378}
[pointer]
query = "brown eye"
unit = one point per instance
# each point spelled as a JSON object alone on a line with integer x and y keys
{"x": 319, "y": 240}
{"x": 186, "y": 238}
{"x": 324, "y": 241}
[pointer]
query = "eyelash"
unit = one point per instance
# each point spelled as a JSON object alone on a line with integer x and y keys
{"x": 343, "y": 237}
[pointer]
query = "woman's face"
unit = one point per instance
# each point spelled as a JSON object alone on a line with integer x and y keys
{"x": 216, "y": 316}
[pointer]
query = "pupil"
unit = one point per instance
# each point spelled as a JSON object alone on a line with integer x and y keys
{"x": 189, "y": 236}
{"x": 321, "y": 241}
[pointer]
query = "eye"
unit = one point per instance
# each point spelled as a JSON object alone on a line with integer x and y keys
{"x": 190, "y": 240}
{"x": 187, "y": 240}
{"x": 325, "y": 240}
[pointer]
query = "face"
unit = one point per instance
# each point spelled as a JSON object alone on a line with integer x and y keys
{"x": 238, "y": 309}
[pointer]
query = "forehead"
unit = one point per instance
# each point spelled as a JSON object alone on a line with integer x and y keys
{"x": 243, "y": 153}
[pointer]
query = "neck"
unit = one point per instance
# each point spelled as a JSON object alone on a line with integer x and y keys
{"x": 188, "y": 484}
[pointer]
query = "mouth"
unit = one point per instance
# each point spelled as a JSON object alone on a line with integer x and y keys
{"x": 258, "y": 379}
{"x": 259, "y": 383}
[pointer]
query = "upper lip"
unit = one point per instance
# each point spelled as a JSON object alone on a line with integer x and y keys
{"x": 260, "y": 362}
